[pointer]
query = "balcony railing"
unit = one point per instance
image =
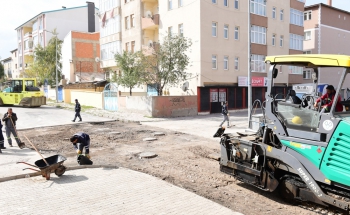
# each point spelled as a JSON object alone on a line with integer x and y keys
{"x": 150, "y": 22}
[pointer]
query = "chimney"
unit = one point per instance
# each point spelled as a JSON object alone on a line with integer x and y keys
{"x": 329, "y": 2}
{"x": 91, "y": 16}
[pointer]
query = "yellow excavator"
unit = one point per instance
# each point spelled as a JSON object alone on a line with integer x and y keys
{"x": 23, "y": 92}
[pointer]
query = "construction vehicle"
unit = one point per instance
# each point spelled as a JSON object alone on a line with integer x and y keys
{"x": 22, "y": 92}
{"x": 300, "y": 151}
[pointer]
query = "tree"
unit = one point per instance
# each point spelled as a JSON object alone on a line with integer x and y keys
{"x": 2, "y": 71}
{"x": 167, "y": 64}
{"x": 43, "y": 64}
{"x": 131, "y": 67}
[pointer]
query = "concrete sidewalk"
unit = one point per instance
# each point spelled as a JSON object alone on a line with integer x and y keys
{"x": 102, "y": 191}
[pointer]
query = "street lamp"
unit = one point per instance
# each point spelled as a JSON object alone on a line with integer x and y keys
{"x": 56, "y": 88}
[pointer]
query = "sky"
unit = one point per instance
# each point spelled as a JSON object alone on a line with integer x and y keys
{"x": 16, "y": 12}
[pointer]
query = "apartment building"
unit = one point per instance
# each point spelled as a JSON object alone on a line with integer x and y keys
{"x": 37, "y": 30}
{"x": 327, "y": 31}
{"x": 219, "y": 30}
{"x": 15, "y": 70}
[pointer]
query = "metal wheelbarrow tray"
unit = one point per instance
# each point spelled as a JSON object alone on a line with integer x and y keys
{"x": 55, "y": 165}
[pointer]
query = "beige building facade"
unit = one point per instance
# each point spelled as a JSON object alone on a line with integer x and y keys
{"x": 327, "y": 31}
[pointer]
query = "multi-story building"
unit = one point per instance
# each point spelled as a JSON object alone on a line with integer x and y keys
{"x": 219, "y": 31}
{"x": 327, "y": 31}
{"x": 80, "y": 57}
{"x": 15, "y": 71}
{"x": 37, "y": 29}
{"x": 7, "y": 63}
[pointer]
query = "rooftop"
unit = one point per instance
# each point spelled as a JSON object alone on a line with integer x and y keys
{"x": 326, "y": 5}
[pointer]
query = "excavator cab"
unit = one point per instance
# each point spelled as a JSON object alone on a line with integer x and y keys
{"x": 301, "y": 151}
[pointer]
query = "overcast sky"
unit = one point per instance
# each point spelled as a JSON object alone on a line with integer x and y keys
{"x": 16, "y": 12}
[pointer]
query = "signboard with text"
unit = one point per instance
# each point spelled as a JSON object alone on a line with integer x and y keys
{"x": 214, "y": 95}
{"x": 256, "y": 81}
{"x": 222, "y": 95}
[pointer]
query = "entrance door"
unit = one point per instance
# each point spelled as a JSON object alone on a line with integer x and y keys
{"x": 110, "y": 95}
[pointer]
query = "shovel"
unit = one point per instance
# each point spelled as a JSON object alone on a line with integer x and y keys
{"x": 21, "y": 144}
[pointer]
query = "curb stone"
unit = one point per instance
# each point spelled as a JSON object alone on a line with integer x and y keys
{"x": 52, "y": 126}
{"x": 14, "y": 177}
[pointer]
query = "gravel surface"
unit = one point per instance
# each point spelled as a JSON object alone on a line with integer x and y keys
{"x": 182, "y": 159}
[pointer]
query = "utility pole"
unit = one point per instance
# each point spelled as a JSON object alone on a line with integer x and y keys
{"x": 249, "y": 67}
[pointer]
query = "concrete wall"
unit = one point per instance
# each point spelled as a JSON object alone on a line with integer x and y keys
{"x": 174, "y": 106}
{"x": 94, "y": 99}
{"x": 140, "y": 103}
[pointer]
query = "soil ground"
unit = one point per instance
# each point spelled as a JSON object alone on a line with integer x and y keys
{"x": 182, "y": 160}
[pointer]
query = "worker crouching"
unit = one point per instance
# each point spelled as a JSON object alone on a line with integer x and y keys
{"x": 80, "y": 141}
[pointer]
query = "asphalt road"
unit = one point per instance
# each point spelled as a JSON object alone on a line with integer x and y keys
{"x": 45, "y": 116}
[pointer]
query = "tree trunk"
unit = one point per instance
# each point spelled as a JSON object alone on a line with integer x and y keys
{"x": 130, "y": 91}
{"x": 160, "y": 91}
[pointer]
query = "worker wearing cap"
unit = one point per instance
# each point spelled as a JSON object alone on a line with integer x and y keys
{"x": 225, "y": 113}
{"x": 328, "y": 99}
{"x": 83, "y": 141}
{"x": 77, "y": 111}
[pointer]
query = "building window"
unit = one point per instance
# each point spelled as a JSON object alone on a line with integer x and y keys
{"x": 180, "y": 3}
{"x": 258, "y": 7}
{"x": 258, "y": 35}
{"x": 274, "y": 13}
{"x": 181, "y": 30}
{"x": 214, "y": 64}
{"x": 214, "y": 29}
{"x": 132, "y": 46}
{"x": 273, "y": 39}
{"x": 307, "y": 52}
{"x": 132, "y": 20}
{"x": 225, "y": 62}
{"x": 108, "y": 50}
{"x": 307, "y": 15}
{"x": 281, "y": 41}
{"x": 236, "y": 4}
{"x": 226, "y": 31}
{"x": 295, "y": 70}
{"x": 226, "y": 3}
{"x": 296, "y": 42}
{"x": 170, "y": 4}
{"x": 307, "y": 35}
{"x": 307, "y": 74}
{"x": 126, "y": 47}
{"x": 258, "y": 63}
{"x": 127, "y": 22}
{"x": 170, "y": 31}
{"x": 106, "y": 5}
{"x": 213, "y": 1}
{"x": 236, "y": 63}
{"x": 236, "y": 33}
{"x": 281, "y": 15}
{"x": 296, "y": 17}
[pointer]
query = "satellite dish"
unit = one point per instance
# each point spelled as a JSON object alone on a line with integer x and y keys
{"x": 97, "y": 59}
{"x": 149, "y": 14}
{"x": 185, "y": 86}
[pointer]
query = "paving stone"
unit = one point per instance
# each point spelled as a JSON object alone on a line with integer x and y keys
{"x": 215, "y": 156}
{"x": 114, "y": 132}
{"x": 103, "y": 191}
{"x": 148, "y": 155}
{"x": 158, "y": 134}
{"x": 149, "y": 139}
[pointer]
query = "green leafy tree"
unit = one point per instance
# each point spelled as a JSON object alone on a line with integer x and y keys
{"x": 167, "y": 63}
{"x": 43, "y": 65}
{"x": 131, "y": 67}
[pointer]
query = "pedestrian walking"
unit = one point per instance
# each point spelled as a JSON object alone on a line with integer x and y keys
{"x": 80, "y": 141}
{"x": 225, "y": 113}
{"x": 77, "y": 111}
{"x": 10, "y": 119}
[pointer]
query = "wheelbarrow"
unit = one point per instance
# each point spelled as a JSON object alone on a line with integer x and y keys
{"x": 54, "y": 164}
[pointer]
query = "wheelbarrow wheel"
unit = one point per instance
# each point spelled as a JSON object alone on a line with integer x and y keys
{"x": 60, "y": 170}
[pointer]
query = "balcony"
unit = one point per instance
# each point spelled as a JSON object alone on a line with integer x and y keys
{"x": 151, "y": 1}
{"x": 150, "y": 23}
{"x": 27, "y": 35}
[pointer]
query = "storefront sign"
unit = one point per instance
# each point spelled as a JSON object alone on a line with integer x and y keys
{"x": 256, "y": 81}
